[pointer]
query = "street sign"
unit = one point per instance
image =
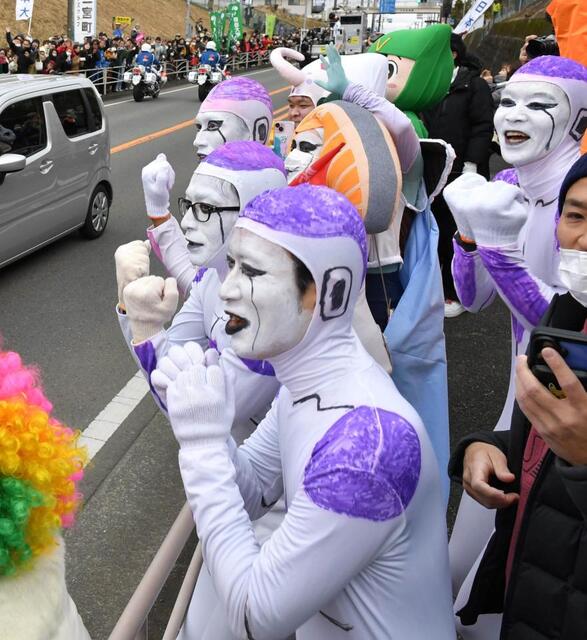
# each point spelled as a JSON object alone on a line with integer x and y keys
{"x": 84, "y": 19}
{"x": 24, "y": 9}
{"x": 387, "y": 6}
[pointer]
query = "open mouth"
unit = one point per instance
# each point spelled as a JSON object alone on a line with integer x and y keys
{"x": 201, "y": 156}
{"x": 235, "y": 323}
{"x": 194, "y": 245}
{"x": 516, "y": 137}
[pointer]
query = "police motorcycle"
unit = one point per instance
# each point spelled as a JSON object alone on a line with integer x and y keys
{"x": 206, "y": 78}
{"x": 145, "y": 78}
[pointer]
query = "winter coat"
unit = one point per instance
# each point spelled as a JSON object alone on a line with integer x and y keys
{"x": 464, "y": 119}
{"x": 546, "y": 596}
{"x": 25, "y": 58}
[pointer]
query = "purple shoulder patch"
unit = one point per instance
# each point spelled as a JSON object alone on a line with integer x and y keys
{"x": 245, "y": 156}
{"x": 239, "y": 89}
{"x": 261, "y": 367}
{"x": 517, "y": 285}
{"x": 200, "y": 274}
{"x": 553, "y": 67}
{"x": 367, "y": 465}
{"x": 507, "y": 175}
{"x": 308, "y": 211}
{"x": 463, "y": 272}
{"x": 148, "y": 359}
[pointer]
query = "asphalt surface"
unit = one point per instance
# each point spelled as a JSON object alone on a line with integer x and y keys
{"x": 57, "y": 310}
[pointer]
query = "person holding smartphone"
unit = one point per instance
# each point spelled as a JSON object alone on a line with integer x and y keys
{"x": 534, "y": 569}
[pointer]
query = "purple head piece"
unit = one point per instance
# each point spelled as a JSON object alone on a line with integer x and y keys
{"x": 308, "y": 211}
{"x": 554, "y": 67}
{"x": 245, "y": 156}
{"x": 237, "y": 90}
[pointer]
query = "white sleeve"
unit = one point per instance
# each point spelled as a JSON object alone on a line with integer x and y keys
{"x": 169, "y": 245}
{"x": 474, "y": 285}
{"x": 267, "y": 592}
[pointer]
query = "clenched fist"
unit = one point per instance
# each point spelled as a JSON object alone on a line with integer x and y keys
{"x": 132, "y": 263}
{"x": 158, "y": 180}
{"x": 150, "y": 304}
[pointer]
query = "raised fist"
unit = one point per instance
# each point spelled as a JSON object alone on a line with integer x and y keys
{"x": 132, "y": 263}
{"x": 158, "y": 180}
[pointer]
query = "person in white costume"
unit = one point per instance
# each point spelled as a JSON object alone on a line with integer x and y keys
{"x": 362, "y": 551}
{"x": 222, "y": 184}
{"x": 506, "y": 246}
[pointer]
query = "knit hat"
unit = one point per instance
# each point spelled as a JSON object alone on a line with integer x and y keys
{"x": 366, "y": 169}
{"x": 245, "y": 98}
{"x": 576, "y": 173}
{"x": 431, "y": 76}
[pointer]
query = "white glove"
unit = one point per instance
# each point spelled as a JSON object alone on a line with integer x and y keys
{"x": 457, "y": 195}
{"x": 469, "y": 167}
{"x": 132, "y": 263}
{"x": 158, "y": 180}
{"x": 497, "y": 213}
{"x": 150, "y": 303}
{"x": 200, "y": 402}
{"x": 177, "y": 359}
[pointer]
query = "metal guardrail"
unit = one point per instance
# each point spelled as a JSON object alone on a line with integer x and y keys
{"x": 133, "y": 624}
{"x": 110, "y": 79}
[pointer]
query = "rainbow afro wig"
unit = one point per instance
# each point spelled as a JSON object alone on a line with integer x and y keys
{"x": 40, "y": 465}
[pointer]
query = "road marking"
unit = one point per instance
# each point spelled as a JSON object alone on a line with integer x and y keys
{"x": 178, "y": 127}
{"x": 105, "y": 424}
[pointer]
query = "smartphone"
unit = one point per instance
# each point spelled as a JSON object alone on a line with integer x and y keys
{"x": 571, "y": 345}
{"x": 283, "y": 137}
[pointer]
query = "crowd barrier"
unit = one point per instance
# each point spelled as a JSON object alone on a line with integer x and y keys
{"x": 109, "y": 79}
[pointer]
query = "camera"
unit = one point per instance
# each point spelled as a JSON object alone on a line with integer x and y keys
{"x": 543, "y": 46}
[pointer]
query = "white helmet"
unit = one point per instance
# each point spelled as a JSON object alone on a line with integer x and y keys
{"x": 146, "y": 47}
{"x": 211, "y": 45}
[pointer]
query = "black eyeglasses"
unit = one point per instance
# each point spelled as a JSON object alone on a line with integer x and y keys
{"x": 201, "y": 210}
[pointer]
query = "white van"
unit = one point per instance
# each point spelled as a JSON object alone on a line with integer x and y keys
{"x": 54, "y": 162}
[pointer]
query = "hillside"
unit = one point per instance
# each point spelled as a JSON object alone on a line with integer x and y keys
{"x": 156, "y": 17}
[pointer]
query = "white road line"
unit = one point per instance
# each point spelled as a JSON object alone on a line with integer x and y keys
{"x": 103, "y": 427}
{"x": 191, "y": 86}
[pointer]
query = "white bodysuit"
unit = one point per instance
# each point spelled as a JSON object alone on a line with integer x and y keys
{"x": 362, "y": 551}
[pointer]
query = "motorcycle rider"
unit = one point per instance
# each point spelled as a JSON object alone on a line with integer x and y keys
{"x": 146, "y": 57}
{"x": 211, "y": 57}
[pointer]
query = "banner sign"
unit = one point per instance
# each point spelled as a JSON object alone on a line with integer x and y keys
{"x": 122, "y": 20}
{"x": 473, "y": 14}
{"x": 24, "y": 9}
{"x": 84, "y": 19}
{"x": 235, "y": 22}
{"x": 217, "y": 27}
{"x": 270, "y": 19}
{"x": 386, "y": 6}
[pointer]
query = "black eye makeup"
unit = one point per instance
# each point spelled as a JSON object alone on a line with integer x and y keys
{"x": 541, "y": 106}
{"x": 251, "y": 272}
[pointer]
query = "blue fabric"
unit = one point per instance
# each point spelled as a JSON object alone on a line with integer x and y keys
{"x": 415, "y": 336}
{"x": 146, "y": 58}
{"x": 210, "y": 57}
{"x": 102, "y": 63}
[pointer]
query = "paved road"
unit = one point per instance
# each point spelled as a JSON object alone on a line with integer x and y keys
{"x": 57, "y": 309}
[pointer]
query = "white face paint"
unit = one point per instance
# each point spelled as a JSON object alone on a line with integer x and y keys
{"x": 206, "y": 238}
{"x": 306, "y": 147}
{"x": 398, "y": 75}
{"x": 531, "y": 120}
{"x": 261, "y": 298}
{"x": 216, "y": 129}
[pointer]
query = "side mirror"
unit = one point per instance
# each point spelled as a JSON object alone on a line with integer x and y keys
{"x": 11, "y": 162}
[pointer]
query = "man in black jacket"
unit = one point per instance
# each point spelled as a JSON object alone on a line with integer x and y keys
{"x": 464, "y": 119}
{"x": 25, "y": 56}
{"x": 534, "y": 569}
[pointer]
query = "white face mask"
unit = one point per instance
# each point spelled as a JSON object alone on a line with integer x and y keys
{"x": 262, "y": 298}
{"x": 216, "y": 129}
{"x": 573, "y": 273}
{"x": 206, "y": 238}
{"x": 531, "y": 121}
{"x": 306, "y": 149}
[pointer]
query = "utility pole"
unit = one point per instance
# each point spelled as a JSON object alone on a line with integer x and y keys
{"x": 187, "y": 19}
